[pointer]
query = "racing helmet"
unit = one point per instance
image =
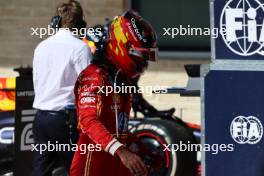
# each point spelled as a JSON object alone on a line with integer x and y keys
{"x": 131, "y": 44}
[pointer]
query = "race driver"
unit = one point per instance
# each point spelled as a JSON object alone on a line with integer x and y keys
{"x": 103, "y": 117}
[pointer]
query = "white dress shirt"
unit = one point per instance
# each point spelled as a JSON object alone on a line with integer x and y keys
{"x": 57, "y": 62}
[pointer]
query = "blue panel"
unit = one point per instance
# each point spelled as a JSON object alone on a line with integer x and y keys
{"x": 247, "y": 15}
{"x": 229, "y": 94}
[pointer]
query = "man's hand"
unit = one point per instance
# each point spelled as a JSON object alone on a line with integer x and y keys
{"x": 132, "y": 161}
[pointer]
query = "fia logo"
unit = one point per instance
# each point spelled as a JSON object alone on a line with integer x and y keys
{"x": 246, "y": 130}
{"x": 242, "y": 26}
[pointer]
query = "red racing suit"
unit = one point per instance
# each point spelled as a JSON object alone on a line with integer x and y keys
{"x": 97, "y": 113}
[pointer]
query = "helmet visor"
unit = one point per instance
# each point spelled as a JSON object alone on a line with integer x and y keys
{"x": 149, "y": 54}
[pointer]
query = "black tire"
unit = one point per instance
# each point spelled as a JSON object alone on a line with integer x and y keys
{"x": 176, "y": 163}
{"x": 59, "y": 171}
{"x": 6, "y": 173}
{"x": 6, "y": 168}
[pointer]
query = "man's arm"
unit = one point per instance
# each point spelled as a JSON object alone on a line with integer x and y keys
{"x": 89, "y": 106}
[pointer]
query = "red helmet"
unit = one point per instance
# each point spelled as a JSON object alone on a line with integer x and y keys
{"x": 132, "y": 43}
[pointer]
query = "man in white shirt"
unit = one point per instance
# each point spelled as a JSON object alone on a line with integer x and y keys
{"x": 57, "y": 62}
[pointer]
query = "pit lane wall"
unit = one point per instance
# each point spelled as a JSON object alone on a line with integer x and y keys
{"x": 17, "y": 17}
{"x": 17, "y": 46}
{"x": 232, "y": 94}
